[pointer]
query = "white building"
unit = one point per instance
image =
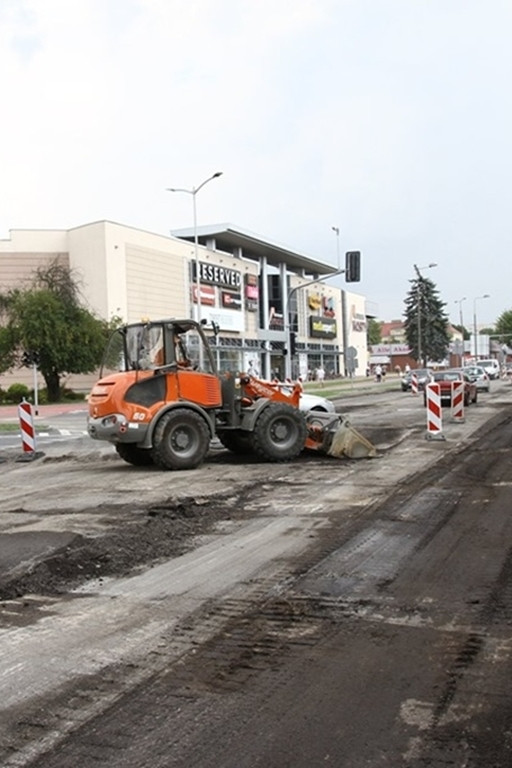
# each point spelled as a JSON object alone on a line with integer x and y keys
{"x": 271, "y": 304}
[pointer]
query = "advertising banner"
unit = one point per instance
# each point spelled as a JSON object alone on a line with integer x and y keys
{"x": 207, "y": 294}
{"x": 322, "y": 327}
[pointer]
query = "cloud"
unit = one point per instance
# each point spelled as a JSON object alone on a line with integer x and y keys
{"x": 390, "y": 120}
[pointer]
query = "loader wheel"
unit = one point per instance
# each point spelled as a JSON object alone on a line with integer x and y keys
{"x": 132, "y": 454}
{"x": 279, "y": 433}
{"x": 236, "y": 441}
{"x": 181, "y": 440}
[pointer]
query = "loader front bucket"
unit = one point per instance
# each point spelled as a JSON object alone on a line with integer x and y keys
{"x": 334, "y": 436}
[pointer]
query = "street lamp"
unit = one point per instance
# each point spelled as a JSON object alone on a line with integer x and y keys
{"x": 475, "y": 327}
{"x": 418, "y": 301}
{"x": 337, "y": 230}
{"x": 194, "y": 192}
{"x": 459, "y": 302}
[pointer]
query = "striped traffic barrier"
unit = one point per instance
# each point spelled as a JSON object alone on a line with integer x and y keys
{"x": 457, "y": 404}
{"x": 434, "y": 412}
{"x": 28, "y": 433}
{"x": 414, "y": 384}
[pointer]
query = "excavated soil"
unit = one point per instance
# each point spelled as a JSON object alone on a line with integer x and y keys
{"x": 164, "y": 531}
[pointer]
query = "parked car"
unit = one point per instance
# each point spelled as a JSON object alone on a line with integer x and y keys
{"x": 309, "y": 402}
{"x": 479, "y": 376}
{"x": 423, "y": 375}
{"x": 316, "y": 403}
{"x": 491, "y": 367}
{"x": 445, "y": 379}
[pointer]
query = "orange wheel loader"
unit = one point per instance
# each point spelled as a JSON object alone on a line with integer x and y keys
{"x": 160, "y": 400}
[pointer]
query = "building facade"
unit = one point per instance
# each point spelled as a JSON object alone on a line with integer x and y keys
{"x": 272, "y": 309}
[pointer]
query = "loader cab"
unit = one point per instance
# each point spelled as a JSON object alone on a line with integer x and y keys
{"x": 161, "y": 346}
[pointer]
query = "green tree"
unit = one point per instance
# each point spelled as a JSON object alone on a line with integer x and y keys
{"x": 504, "y": 327}
{"x": 463, "y": 330}
{"x": 48, "y": 318}
{"x": 7, "y": 355}
{"x": 424, "y": 312}
{"x": 373, "y": 332}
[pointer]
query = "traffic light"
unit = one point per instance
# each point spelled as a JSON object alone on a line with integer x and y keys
{"x": 29, "y": 358}
{"x": 353, "y": 266}
{"x": 293, "y": 343}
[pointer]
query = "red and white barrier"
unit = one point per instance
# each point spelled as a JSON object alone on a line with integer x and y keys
{"x": 414, "y": 384}
{"x": 457, "y": 405}
{"x": 28, "y": 434}
{"x": 434, "y": 411}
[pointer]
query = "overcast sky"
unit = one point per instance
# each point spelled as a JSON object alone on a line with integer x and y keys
{"x": 389, "y": 119}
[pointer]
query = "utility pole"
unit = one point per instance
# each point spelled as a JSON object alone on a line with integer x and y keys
{"x": 337, "y": 230}
{"x": 461, "y": 322}
{"x": 475, "y": 326}
{"x": 194, "y": 192}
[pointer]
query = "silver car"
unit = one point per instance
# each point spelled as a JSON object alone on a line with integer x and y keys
{"x": 312, "y": 402}
{"x": 479, "y": 376}
{"x": 316, "y": 403}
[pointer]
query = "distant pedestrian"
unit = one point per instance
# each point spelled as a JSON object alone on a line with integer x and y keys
{"x": 320, "y": 375}
{"x": 252, "y": 370}
{"x": 378, "y": 373}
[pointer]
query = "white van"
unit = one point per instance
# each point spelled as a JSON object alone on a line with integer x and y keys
{"x": 491, "y": 367}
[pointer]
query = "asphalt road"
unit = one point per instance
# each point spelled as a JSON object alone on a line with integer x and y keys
{"x": 51, "y": 423}
{"x": 338, "y": 613}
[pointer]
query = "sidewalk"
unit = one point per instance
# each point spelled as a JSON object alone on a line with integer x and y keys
{"x": 9, "y": 413}
{"x": 333, "y": 388}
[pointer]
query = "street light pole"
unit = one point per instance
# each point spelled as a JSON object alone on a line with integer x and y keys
{"x": 337, "y": 230}
{"x": 459, "y": 302}
{"x": 343, "y": 316}
{"x": 418, "y": 314}
{"x": 475, "y": 326}
{"x": 194, "y": 192}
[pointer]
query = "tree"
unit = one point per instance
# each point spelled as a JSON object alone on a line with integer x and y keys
{"x": 373, "y": 332}
{"x": 48, "y": 318}
{"x": 463, "y": 330}
{"x": 7, "y": 354}
{"x": 424, "y": 311}
{"x": 504, "y": 327}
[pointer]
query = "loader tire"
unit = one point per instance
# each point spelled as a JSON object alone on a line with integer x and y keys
{"x": 279, "y": 433}
{"x": 181, "y": 440}
{"x": 236, "y": 442}
{"x": 132, "y": 454}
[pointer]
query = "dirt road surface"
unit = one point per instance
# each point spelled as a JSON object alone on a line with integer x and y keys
{"x": 322, "y": 612}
